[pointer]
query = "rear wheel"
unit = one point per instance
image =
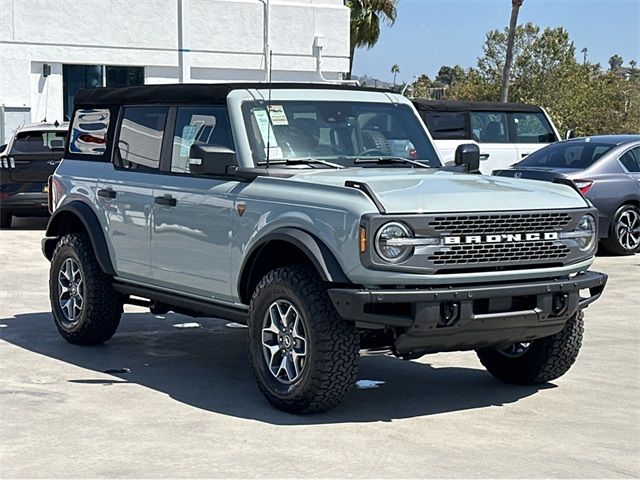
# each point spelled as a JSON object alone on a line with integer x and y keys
{"x": 5, "y": 219}
{"x": 538, "y": 361}
{"x": 624, "y": 235}
{"x": 303, "y": 354}
{"x": 86, "y": 309}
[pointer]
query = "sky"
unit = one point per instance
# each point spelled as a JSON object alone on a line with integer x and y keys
{"x": 430, "y": 33}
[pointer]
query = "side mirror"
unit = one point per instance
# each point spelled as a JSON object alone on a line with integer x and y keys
{"x": 211, "y": 159}
{"x": 569, "y": 134}
{"x": 468, "y": 154}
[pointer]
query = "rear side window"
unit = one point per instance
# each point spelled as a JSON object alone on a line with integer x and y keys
{"x": 446, "y": 125}
{"x": 489, "y": 127}
{"x": 532, "y": 128}
{"x": 89, "y": 131}
{"x": 198, "y": 125}
{"x": 38, "y": 142}
{"x": 572, "y": 155}
{"x": 631, "y": 160}
{"x": 140, "y": 137}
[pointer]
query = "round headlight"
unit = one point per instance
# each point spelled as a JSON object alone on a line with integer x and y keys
{"x": 586, "y": 226}
{"x": 389, "y": 245}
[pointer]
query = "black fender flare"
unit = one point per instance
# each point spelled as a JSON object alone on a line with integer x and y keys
{"x": 318, "y": 253}
{"x": 59, "y": 225}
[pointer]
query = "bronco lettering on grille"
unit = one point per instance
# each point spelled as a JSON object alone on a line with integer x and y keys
{"x": 500, "y": 238}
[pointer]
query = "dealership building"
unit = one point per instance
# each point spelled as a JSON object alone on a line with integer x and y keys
{"x": 50, "y": 49}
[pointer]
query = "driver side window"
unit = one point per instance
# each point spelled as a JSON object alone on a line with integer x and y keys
{"x": 198, "y": 125}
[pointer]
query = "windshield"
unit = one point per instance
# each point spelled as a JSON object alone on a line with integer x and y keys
{"x": 575, "y": 155}
{"x": 339, "y": 132}
{"x": 38, "y": 142}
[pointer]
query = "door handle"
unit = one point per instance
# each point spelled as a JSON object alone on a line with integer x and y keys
{"x": 484, "y": 156}
{"x": 107, "y": 193}
{"x": 166, "y": 200}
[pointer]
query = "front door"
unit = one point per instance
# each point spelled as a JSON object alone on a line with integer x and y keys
{"x": 192, "y": 215}
{"x": 490, "y": 130}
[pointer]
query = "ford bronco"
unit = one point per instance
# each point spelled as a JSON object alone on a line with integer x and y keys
{"x": 321, "y": 216}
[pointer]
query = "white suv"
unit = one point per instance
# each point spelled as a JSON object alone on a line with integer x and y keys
{"x": 505, "y": 132}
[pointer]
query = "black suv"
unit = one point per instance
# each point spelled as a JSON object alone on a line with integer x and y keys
{"x": 26, "y": 162}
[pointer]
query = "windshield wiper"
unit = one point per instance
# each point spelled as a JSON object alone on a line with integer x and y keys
{"x": 302, "y": 161}
{"x": 391, "y": 160}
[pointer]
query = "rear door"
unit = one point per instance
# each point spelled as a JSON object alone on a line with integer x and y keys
{"x": 630, "y": 160}
{"x": 192, "y": 214}
{"x": 34, "y": 155}
{"x": 125, "y": 189}
{"x": 531, "y": 131}
{"x": 491, "y": 131}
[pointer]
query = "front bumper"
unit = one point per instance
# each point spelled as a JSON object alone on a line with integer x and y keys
{"x": 469, "y": 317}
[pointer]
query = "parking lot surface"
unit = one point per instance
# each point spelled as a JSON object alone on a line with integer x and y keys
{"x": 172, "y": 396}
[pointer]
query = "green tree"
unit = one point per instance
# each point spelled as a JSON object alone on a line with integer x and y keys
{"x": 449, "y": 75}
{"x": 546, "y": 73}
{"x": 504, "y": 90}
{"x": 615, "y": 62}
{"x": 420, "y": 88}
{"x": 366, "y": 17}
{"x": 395, "y": 69}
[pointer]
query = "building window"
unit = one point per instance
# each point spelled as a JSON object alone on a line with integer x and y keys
{"x": 75, "y": 77}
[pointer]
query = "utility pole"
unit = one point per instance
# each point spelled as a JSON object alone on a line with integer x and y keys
{"x": 584, "y": 55}
{"x": 184, "y": 41}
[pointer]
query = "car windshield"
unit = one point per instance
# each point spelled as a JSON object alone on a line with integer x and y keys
{"x": 572, "y": 154}
{"x": 342, "y": 133}
{"x": 38, "y": 142}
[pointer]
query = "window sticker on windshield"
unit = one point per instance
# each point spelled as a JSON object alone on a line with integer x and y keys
{"x": 275, "y": 153}
{"x": 278, "y": 117}
{"x": 188, "y": 137}
{"x": 266, "y": 132}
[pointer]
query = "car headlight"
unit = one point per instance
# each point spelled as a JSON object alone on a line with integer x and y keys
{"x": 585, "y": 234}
{"x": 586, "y": 226}
{"x": 391, "y": 244}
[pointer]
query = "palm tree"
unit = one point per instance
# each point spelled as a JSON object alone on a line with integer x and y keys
{"x": 508, "y": 58}
{"x": 395, "y": 70}
{"x": 584, "y": 53}
{"x": 366, "y": 16}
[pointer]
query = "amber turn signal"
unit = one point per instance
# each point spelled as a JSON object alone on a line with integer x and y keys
{"x": 363, "y": 239}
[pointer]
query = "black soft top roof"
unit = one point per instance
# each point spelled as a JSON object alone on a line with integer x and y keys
{"x": 186, "y": 93}
{"x": 459, "y": 106}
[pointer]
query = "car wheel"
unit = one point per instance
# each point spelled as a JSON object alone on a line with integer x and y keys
{"x": 624, "y": 234}
{"x": 86, "y": 309}
{"x": 538, "y": 361}
{"x": 303, "y": 354}
{"x": 5, "y": 219}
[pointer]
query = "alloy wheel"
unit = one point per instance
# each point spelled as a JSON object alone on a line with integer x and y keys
{"x": 70, "y": 291}
{"x": 284, "y": 342}
{"x": 516, "y": 350}
{"x": 627, "y": 229}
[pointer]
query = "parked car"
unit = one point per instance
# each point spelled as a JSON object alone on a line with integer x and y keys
{"x": 26, "y": 162}
{"x": 505, "y": 132}
{"x": 606, "y": 169}
{"x": 279, "y": 206}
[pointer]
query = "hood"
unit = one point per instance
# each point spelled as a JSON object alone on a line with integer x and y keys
{"x": 421, "y": 191}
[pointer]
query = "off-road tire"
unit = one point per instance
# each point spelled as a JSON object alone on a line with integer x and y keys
{"x": 376, "y": 141}
{"x": 612, "y": 244}
{"x": 5, "y": 219}
{"x": 102, "y": 305}
{"x": 545, "y": 360}
{"x": 333, "y": 344}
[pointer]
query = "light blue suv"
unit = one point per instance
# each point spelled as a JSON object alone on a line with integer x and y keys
{"x": 321, "y": 216}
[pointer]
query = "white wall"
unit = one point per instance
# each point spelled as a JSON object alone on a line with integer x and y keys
{"x": 226, "y": 42}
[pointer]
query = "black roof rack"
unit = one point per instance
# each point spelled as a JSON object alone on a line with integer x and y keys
{"x": 423, "y": 104}
{"x": 186, "y": 93}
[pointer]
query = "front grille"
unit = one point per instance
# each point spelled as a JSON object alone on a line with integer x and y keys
{"x": 500, "y": 223}
{"x": 499, "y": 252}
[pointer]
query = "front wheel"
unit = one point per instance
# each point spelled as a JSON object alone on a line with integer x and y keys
{"x": 538, "y": 361}
{"x": 303, "y": 354}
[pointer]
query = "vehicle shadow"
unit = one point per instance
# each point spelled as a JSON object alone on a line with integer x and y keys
{"x": 29, "y": 223}
{"x": 207, "y": 367}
